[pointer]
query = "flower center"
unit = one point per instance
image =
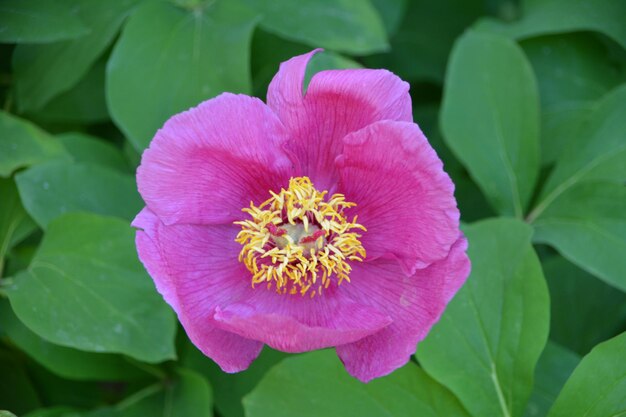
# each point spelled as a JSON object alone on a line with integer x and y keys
{"x": 299, "y": 240}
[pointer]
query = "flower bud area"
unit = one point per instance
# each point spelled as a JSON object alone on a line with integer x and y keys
{"x": 300, "y": 242}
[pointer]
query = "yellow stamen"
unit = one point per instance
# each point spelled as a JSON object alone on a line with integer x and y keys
{"x": 298, "y": 240}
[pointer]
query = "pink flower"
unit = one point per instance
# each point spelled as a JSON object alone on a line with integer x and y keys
{"x": 320, "y": 219}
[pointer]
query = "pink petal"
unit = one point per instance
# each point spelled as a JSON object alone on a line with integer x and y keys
{"x": 403, "y": 196}
{"x": 197, "y": 271}
{"x": 209, "y": 162}
{"x": 191, "y": 267}
{"x": 295, "y": 323}
{"x": 414, "y": 303}
{"x": 337, "y": 102}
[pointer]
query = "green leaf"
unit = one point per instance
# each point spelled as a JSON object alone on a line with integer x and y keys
{"x": 54, "y": 188}
{"x": 86, "y": 289}
{"x": 420, "y": 48}
{"x": 44, "y": 71}
{"x": 14, "y": 222}
{"x": 229, "y": 388}
{"x": 584, "y": 310}
{"x": 88, "y": 149}
{"x": 23, "y": 144}
{"x": 325, "y": 61}
{"x": 84, "y": 103}
{"x": 188, "y": 394}
{"x": 39, "y": 21}
{"x": 597, "y": 387}
{"x": 351, "y": 26}
{"x": 490, "y": 118}
{"x": 558, "y": 16}
{"x": 316, "y": 384}
{"x": 17, "y": 392}
{"x": 596, "y": 152}
{"x": 391, "y": 12}
{"x": 49, "y": 412}
{"x": 4, "y": 413}
{"x": 587, "y": 225}
{"x": 486, "y": 345}
{"x": 65, "y": 362}
{"x": 169, "y": 59}
{"x": 573, "y": 72}
{"x": 555, "y": 365}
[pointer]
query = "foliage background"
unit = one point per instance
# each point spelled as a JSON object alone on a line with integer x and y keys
{"x": 524, "y": 101}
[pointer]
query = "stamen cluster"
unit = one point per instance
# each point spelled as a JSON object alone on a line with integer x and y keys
{"x": 298, "y": 240}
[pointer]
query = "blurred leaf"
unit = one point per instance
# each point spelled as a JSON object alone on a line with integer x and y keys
{"x": 597, "y": 387}
{"x": 488, "y": 341}
{"x": 587, "y": 225}
{"x": 557, "y": 16}
{"x": 169, "y": 59}
{"x": 14, "y": 222}
{"x": 88, "y": 149}
{"x": 16, "y": 389}
{"x": 554, "y": 367}
{"x": 420, "y": 48}
{"x": 490, "y": 118}
{"x": 49, "y": 412}
{"x": 597, "y": 151}
{"x": 351, "y": 26}
{"x": 316, "y": 384}
{"x": 229, "y": 388}
{"x": 65, "y": 362}
{"x": 187, "y": 395}
{"x": 584, "y": 310}
{"x": 86, "y": 289}
{"x": 52, "y": 189}
{"x": 4, "y": 413}
{"x": 83, "y": 103}
{"x": 23, "y": 144}
{"x": 573, "y": 71}
{"x": 33, "y": 21}
{"x": 44, "y": 71}
{"x": 391, "y": 13}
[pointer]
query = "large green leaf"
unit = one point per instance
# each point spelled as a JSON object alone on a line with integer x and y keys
{"x": 351, "y": 26}
{"x": 86, "y": 289}
{"x": 555, "y": 365}
{"x": 88, "y": 149}
{"x": 14, "y": 222}
{"x": 23, "y": 144}
{"x": 558, "y": 16}
{"x": 39, "y": 21}
{"x": 487, "y": 342}
{"x": 587, "y": 225}
{"x": 490, "y": 118}
{"x": 229, "y": 388}
{"x": 597, "y": 388}
{"x": 44, "y": 71}
{"x": 187, "y": 394}
{"x": 597, "y": 151}
{"x": 66, "y": 362}
{"x": 51, "y": 189}
{"x": 169, "y": 59}
{"x": 316, "y": 384}
{"x": 573, "y": 72}
{"x": 584, "y": 310}
{"x": 84, "y": 103}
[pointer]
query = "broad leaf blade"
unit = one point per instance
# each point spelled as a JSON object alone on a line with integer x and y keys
{"x": 316, "y": 384}
{"x": 169, "y": 59}
{"x": 490, "y": 118}
{"x": 598, "y": 385}
{"x": 52, "y": 189}
{"x": 489, "y": 339}
{"x": 86, "y": 289}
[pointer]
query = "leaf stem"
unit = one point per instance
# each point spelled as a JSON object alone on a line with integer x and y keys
{"x": 139, "y": 395}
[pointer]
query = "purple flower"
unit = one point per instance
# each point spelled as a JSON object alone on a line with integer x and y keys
{"x": 318, "y": 220}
